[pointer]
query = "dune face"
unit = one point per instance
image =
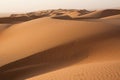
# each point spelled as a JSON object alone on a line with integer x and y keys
{"x": 75, "y": 13}
{"x": 66, "y": 14}
{"x": 60, "y": 45}
{"x": 100, "y": 14}
{"x": 113, "y": 17}
{"x": 12, "y": 20}
{"x": 61, "y": 17}
{"x": 4, "y": 26}
{"x": 74, "y": 53}
{"x": 101, "y": 71}
{"x": 26, "y": 34}
{"x": 63, "y": 13}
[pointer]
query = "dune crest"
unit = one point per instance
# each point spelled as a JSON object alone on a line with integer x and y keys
{"x": 17, "y": 18}
{"x": 112, "y": 17}
{"x": 28, "y": 34}
{"x": 99, "y": 14}
{"x": 62, "y": 44}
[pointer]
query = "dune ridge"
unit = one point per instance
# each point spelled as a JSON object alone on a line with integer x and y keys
{"x": 66, "y": 14}
{"x": 99, "y": 14}
{"x": 50, "y": 58}
{"x": 112, "y": 17}
{"x": 28, "y": 33}
{"x": 61, "y": 45}
{"x": 17, "y": 18}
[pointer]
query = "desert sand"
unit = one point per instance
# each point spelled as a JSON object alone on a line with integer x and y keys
{"x": 61, "y": 45}
{"x": 112, "y": 17}
{"x": 101, "y": 71}
{"x": 100, "y": 14}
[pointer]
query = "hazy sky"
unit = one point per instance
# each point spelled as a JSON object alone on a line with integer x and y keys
{"x": 34, "y": 5}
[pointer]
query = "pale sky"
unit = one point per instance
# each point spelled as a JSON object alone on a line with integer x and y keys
{"x": 35, "y": 5}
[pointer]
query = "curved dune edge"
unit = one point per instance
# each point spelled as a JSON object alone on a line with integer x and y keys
{"x": 92, "y": 71}
{"x": 67, "y": 17}
{"x": 99, "y": 14}
{"x": 112, "y": 17}
{"x": 23, "y": 38}
{"x": 65, "y": 14}
{"x": 4, "y": 26}
{"x": 64, "y": 49}
{"x": 76, "y": 13}
{"x": 18, "y": 18}
{"x": 99, "y": 48}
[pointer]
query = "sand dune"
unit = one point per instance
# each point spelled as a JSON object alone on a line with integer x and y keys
{"x": 101, "y": 71}
{"x": 90, "y": 50}
{"x": 78, "y": 13}
{"x": 74, "y": 14}
{"x": 68, "y": 14}
{"x": 13, "y": 20}
{"x": 99, "y": 14}
{"x": 55, "y": 45}
{"x": 4, "y": 26}
{"x": 30, "y": 42}
{"x": 61, "y": 17}
{"x": 113, "y": 17}
{"x": 70, "y": 11}
{"x": 58, "y": 13}
{"x": 39, "y": 14}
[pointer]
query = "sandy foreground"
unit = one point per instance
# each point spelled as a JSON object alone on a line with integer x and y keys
{"x": 60, "y": 45}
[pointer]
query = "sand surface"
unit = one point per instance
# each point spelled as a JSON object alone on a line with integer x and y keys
{"x": 61, "y": 45}
{"x": 99, "y": 14}
{"x": 101, "y": 71}
{"x": 112, "y": 17}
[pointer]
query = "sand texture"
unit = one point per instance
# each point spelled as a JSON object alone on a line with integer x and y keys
{"x": 60, "y": 44}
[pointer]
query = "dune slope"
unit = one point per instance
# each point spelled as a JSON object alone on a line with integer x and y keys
{"x": 98, "y": 49}
{"x": 99, "y": 14}
{"x": 92, "y": 71}
{"x": 112, "y": 17}
{"x": 25, "y": 36}
{"x": 45, "y": 44}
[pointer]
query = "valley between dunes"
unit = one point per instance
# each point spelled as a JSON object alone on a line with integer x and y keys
{"x": 61, "y": 45}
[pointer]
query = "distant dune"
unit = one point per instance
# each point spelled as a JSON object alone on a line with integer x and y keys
{"x": 66, "y": 17}
{"x": 59, "y": 14}
{"x": 112, "y": 17}
{"x": 60, "y": 45}
{"x": 100, "y": 14}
